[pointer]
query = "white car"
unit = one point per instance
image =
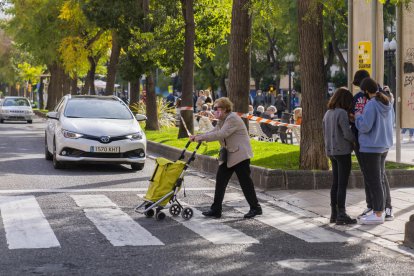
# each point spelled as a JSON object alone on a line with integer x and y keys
{"x": 16, "y": 109}
{"x": 94, "y": 129}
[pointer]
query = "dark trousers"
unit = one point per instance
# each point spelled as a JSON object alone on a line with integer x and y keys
{"x": 341, "y": 168}
{"x": 386, "y": 184}
{"x": 223, "y": 176}
{"x": 373, "y": 169}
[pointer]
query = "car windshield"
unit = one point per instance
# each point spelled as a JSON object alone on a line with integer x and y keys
{"x": 16, "y": 102}
{"x": 105, "y": 108}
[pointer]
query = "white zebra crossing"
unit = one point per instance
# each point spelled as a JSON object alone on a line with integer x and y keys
{"x": 119, "y": 228}
{"x": 25, "y": 224}
{"x": 287, "y": 223}
{"x": 213, "y": 230}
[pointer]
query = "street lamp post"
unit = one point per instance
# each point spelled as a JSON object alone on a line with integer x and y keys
{"x": 289, "y": 59}
{"x": 389, "y": 50}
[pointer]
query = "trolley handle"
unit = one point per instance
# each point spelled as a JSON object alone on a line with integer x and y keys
{"x": 185, "y": 149}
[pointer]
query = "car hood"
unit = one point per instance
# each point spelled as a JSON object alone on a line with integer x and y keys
{"x": 100, "y": 127}
{"x": 24, "y": 108}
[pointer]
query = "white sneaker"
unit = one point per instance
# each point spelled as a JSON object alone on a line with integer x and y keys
{"x": 388, "y": 214}
{"x": 367, "y": 211}
{"x": 372, "y": 219}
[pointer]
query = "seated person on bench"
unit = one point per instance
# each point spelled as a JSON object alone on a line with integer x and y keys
{"x": 269, "y": 129}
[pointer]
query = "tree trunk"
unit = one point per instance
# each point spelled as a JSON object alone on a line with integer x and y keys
{"x": 240, "y": 47}
{"x": 113, "y": 64}
{"x": 66, "y": 84}
{"x": 74, "y": 86}
{"x": 135, "y": 85}
{"x": 152, "y": 114}
{"x": 40, "y": 93}
{"x": 312, "y": 151}
{"x": 223, "y": 86}
{"x": 89, "y": 87}
{"x": 188, "y": 69}
{"x": 53, "y": 88}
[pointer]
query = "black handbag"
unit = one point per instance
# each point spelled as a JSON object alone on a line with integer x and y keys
{"x": 223, "y": 155}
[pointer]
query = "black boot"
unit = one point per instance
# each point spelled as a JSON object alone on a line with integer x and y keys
{"x": 334, "y": 214}
{"x": 212, "y": 213}
{"x": 343, "y": 218}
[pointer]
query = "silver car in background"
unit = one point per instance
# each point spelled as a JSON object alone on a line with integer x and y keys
{"x": 16, "y": 109}
{"x": 94, "y": 129}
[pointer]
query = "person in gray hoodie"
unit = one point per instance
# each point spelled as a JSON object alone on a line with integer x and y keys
{"x": 339, "y": 140}
{"x": 375, "y": 130}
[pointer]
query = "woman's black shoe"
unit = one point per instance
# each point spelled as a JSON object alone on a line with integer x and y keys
{"x": 343, "y": 219}
{"x": 211, "y": 213}
{"x": 253, "y": 213}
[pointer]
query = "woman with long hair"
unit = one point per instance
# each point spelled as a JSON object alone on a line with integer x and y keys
{"x": 339, "y": 140}
{"x": 375, "y": 134}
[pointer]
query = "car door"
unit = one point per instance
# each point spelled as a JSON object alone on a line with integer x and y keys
{"x": 52, "y": 124}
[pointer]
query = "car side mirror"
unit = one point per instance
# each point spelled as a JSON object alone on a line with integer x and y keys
{"x": 140, "y": 117}
{"x": 53, "y": 115}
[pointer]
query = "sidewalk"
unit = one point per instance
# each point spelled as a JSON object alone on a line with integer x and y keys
{"x": 316, "y": 205}
{"x": 407, "y": 151}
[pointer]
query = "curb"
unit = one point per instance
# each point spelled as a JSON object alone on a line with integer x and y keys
{"x": 271, "y": 179}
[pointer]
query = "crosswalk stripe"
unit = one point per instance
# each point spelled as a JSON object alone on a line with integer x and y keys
{"x": 118, "y": 227}
{"x": 25, "y": 224}
{"x": 288, "y": 223}
{"x": 213, "y": 230}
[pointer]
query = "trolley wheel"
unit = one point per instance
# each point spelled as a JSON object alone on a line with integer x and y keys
{"x": 150, "y": 213}
{"x": 187, "y": 213}
{"x": 160, "y": 216}
{"x": 175, "y": 210}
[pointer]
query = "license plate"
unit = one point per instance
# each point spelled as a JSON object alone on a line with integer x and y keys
{"x": 105, "y": 149}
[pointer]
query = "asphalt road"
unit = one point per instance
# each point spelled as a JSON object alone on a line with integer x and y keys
{"x": 81, "y": 221}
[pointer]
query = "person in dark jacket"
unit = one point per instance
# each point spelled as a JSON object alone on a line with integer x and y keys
{"x": 280, "y": 105}
{"x": 269, "y": 129}
{"x": 339, "y": 141}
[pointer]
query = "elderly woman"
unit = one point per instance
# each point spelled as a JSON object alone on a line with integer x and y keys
{"x": 233, "y": 136}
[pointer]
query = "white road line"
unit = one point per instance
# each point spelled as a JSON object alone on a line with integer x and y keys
{"x": 119, "y": 228}
{"x": 31, "y": 191}
{"x": 25, "y": 224}
{"x": 289, "y": 224}
{"x": 213, "y": 230}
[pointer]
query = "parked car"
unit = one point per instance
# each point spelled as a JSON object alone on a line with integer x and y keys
{"x": 94, "y": 129}
{"x": 16, "y": 109}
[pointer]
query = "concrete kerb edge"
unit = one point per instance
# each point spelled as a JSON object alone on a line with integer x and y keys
{"x": 271, "y": 179}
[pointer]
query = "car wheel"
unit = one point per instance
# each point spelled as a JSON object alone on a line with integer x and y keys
{"x": 56, "y": 164}
{"x": 29, "y": 121}
{"x": 48, "y": 155}
{"x": 1, "y": 121}
{"x": 137, "y": 166}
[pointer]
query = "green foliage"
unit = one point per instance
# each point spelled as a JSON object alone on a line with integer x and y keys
{"x": 266, "y": 154}
{"x": 166, "y": 115}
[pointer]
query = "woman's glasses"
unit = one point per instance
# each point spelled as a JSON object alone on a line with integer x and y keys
{"x": 215, "y": 108}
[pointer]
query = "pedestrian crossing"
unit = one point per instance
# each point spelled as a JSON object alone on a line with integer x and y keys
{"x": 26, "y": 226}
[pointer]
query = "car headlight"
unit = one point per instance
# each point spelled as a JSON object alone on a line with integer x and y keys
{"x": 135, "y": 136}
{"x": 70, "y": 134}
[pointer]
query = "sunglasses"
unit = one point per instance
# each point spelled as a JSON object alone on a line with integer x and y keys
{"x": 215, "y": 108}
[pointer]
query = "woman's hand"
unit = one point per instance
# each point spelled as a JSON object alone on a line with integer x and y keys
{"x": 195, "y": 138}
